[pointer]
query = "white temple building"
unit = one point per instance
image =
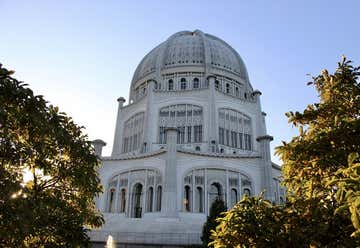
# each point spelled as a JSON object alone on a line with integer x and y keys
{"x": 192, "y": 131}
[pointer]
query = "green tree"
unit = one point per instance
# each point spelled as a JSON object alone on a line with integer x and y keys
{"x": 55, "y": 207}
{"x": 252, "y": 222}
{"x": 320, "y": 171}
{"x": 216, "y": 209}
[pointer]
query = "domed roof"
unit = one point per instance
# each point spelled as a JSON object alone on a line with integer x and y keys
{"x": 188, "y": 48}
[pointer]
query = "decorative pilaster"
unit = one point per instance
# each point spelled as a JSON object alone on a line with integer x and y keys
{"x": 169, "y": 203}
{"x": 267, "y": 167}
{"x": 118, "y": 134}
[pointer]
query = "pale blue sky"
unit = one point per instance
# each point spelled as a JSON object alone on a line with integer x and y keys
{"x": 81, "y": 54}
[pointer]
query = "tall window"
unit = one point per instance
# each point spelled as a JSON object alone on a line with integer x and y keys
{"x": 247, "y": 141}
{"x": 199, "y": 200}
{"x": 112, "y": 201}
{"x": 217, "y": 84}
{"x": 187, "y": 198}
{"x": 196, "y": 83}
{"x": 237, "y": 91}
{"x": 170, "y": 84}
{"x": 227, "y": 137}
{"x": 189, "y": 134}
{"x": 181, "y": 135}
{"x": 158, "y": 198}
{"x": 241, "y": 146}
{"x": 150, "y": 199}
{"x": 122, "y": 200}
{"x": 234, "y": 139}
{"x": 228, "y": 88}
{"x": 221, "y": 136}
{"x": 137, "y": 201}
{"x": 198, "y": 134}
{"x": 162, "y": 136}
{"x": 247, "y": 192}
{"x": 233, "y": 197}
{"x": 183, "y": 84}
{"x": 215, "y": 192}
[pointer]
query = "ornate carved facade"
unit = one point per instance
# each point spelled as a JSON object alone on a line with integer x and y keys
{"x": 193, "y": 131}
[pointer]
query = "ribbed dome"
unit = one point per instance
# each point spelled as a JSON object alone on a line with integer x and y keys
{"x": 188, "y": 48}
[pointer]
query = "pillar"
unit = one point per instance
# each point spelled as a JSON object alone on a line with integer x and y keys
{"x": 118, "y": 129}
{"x": 266, "y": 164}
{"x": 169, "y": 203}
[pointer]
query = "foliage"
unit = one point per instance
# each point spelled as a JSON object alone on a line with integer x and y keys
{"x": 217, "y": 208}
{"x": 258, "y": 227}
{"x": 320, "y": 171}
{"x": 55, "y": 207}
{"x": 347, "y": 182}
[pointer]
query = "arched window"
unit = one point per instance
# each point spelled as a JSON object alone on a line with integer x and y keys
{"x": 237, "y": 91}
{"x": 215, "y": 192}
{"x": 158, "y": 198}
{"x": 150, "y": 199}
{"x": 196, "y": 83}
{"x": 233, "y": 197}
{"x": 111, "y": 208}
{"x": 217, "y": 86}
{"x": 197, "y": 148}
{"x": 170, "y": 84}
{"x": 183, "y": 84}
{"x": 199, "y": 200}
{"x": 227, "y": 88}
{"x": 122, "y": 200}
{"x": 137, "y": 201}
{"x": 187, "y": 198}
{"x": 247, "y": 192}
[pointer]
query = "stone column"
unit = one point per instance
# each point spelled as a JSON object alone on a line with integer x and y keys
{"x": 267, "y": 166}
{"x": 118, "y": 129}
{"x": 169, "y": 203}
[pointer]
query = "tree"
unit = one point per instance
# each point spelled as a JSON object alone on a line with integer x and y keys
{"x": 55, "y": 207}
{"x": 320, "y": 172}
{"x": 252, "y": 222}
{"x": 216, "y": 210}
